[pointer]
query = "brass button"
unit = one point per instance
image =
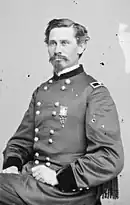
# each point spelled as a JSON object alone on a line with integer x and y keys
{"x": 36, "y": 162}
{"x": 52, "y": 132}
{"x": 63, "y": 87}
{"x": 37, "y": 112}
{"x": 57, "y": 104}
{"x": 67, "y": 81}
{"x": 45, "y": 87}
{"x": 36, "y": 130}
{"x": 50, "y": 141}
{"x": 39, "y": 103}
{"x": 54, "y": 113}
{"x": 48, "y": 164}
{"x": 48, "y": 158}
{"x": 50, "y": 81}
{"x": 37, "y": 154}
{"x": 80, "y": 189}
{"x": 36, "y": 139}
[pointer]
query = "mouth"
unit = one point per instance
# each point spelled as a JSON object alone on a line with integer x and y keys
{"x": 58, "y": 59}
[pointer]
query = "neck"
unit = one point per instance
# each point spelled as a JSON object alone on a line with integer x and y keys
{"x": 66, "y": 70}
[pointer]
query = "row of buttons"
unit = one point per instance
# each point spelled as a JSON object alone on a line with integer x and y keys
{"x": 51, "y": 131}
{"x": 47, "y": 159}
{"x": 67, "y": 81}
{"x": 56, "y": 104}
{"x": 37, "y": 155}
{"x": 80, "y": 189}
{"x": 54, "y": 113}
{"x": 47, "y": 163}
{"x": 49, "y": 140}
{"x": 63, "y": 87}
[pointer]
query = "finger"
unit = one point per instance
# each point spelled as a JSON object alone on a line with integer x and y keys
{"x": 5, "y": 171}
{"x": 38, "y": 167}
{"x": 39, "y": 178}
{"x": 36, "y": 173}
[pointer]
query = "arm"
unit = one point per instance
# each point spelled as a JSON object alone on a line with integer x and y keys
{"x": 19, "y": 148}
{"x": 104, "y": 156}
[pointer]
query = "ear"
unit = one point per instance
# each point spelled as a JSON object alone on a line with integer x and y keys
{"x": 81, "y": 48}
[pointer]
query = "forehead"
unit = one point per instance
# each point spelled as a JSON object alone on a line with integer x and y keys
{"x": 62, "y": 33}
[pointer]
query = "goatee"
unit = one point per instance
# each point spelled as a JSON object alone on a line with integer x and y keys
{"x": 55, "y": 60}
{"x": 57, "y": 67}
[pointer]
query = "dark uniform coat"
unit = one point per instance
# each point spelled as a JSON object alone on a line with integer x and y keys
{"x": 71, "y": 126}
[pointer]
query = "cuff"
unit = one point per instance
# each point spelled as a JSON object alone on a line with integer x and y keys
{"x": 13, "y": 161}
{"x": 66, "y": 179}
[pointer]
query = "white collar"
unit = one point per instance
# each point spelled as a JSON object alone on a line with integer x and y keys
{"x": 66, "y": 70}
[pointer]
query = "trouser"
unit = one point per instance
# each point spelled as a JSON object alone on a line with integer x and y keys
{"x": 23, "y": 189}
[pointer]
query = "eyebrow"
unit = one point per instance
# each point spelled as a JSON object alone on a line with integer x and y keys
{"x": 52, "y": 40}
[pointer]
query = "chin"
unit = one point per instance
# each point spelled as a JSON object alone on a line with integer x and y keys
{"x": 58, "y": 67}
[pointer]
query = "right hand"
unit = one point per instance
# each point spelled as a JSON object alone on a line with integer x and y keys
{"x": 12, "y": 169}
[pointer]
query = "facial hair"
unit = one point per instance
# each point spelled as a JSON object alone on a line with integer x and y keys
{"x": 56, "y": 62}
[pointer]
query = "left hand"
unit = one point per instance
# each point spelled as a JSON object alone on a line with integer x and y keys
{"x": 45, "y": 174}
{"x": 11, "y": 170}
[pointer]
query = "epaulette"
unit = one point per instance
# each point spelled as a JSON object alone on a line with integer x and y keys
{"x": 96, "y": 84}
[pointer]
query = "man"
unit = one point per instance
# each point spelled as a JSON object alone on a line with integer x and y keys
{"x": 67, "y": 149}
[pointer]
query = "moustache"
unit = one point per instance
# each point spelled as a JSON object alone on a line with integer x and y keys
{"x": 54, "y": 57}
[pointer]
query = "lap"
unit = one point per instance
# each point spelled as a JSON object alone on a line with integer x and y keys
{"x": 24, "y": 189}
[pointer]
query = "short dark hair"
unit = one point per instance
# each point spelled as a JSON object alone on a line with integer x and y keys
{"x": 81, "y": 33}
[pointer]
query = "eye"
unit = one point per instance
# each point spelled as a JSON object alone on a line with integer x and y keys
{"x": 64, "y": 42}
{"x": 52, "y": 43}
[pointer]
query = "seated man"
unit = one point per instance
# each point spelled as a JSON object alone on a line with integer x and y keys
{"x": 67, "y": 149}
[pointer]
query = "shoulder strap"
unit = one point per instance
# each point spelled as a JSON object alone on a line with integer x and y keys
{"x": 92, "y": 85}
{"x": 96, "y": 84}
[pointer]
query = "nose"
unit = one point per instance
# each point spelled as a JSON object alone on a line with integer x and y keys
{"x": 58, "y": 49}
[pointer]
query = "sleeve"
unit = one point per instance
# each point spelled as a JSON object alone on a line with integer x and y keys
{"x": 104, "y": 157}
{"x": 19, "y": 148}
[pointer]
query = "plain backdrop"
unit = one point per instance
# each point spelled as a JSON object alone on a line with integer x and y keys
{"x": 24, "y": 60}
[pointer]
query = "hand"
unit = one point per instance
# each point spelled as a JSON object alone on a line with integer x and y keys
{"x": 12, "y": 169}
{"x": 45, "y": 174}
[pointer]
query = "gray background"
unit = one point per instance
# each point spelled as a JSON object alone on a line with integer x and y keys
{"x": 24, "y": 59}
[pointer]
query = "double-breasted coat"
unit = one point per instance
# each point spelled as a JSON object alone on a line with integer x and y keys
{"x": 71, "y": 126}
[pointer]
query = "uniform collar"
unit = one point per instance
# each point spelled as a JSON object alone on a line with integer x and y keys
{"x": 69, "y": 72}
{"x": 66, "y": 70}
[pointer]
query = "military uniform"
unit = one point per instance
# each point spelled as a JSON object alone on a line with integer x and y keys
{"x": 71, "y": 126}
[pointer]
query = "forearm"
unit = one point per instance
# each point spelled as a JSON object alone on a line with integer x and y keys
{"x": 13, "y": 161}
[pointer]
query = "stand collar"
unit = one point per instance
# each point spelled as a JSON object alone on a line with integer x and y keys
{"x": 69, "y": 74}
